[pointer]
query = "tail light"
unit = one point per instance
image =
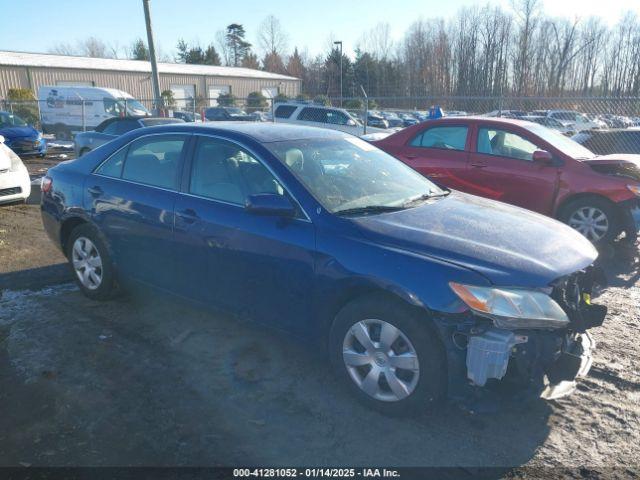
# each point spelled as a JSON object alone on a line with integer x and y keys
{"x": 46, "y": 185}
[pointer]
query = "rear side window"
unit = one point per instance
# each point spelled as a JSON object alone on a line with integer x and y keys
{"x": 448, "y": 138}
{"x": 310, "y": 114}
{"x": 113, "y": 166}
{"x": 285, "y": 111}
{"x": 154, "y": 161}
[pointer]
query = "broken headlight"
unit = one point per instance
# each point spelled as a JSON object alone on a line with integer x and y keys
{"x": 512, "y": 308}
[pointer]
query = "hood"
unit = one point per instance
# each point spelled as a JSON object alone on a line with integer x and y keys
{"x": 18, "y": 132}
{"x": 510, "y": 246}
{"x": 607, "y": 159}
{"x": 618, "y": 164}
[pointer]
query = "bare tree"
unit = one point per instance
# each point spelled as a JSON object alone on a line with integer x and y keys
{"x": 271, "y": 36}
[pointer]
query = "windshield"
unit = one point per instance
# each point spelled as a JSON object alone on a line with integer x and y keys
{"x": 564, "y": 144}
{"x": 349, "y": 173}
{"x": 134, "y": 107}
{"x": 10, "y": 120}
{"x": 235, "y": 111}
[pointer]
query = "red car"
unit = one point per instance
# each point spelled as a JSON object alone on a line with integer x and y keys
{"x": 528, "y": 165}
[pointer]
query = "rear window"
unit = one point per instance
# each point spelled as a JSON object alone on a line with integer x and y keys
{"x": 285, "y": 111}
{"x": 310, "y": 114}
{"x": 151, "y": 122}
{"x": 448, "y": 138}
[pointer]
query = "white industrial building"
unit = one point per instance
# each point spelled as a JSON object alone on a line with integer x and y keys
{"x": 32, "y": 70}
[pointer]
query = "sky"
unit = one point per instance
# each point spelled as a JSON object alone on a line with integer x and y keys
{"x": 309, "y": 25}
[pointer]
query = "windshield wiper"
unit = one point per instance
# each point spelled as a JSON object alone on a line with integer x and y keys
{"x": 423, "y": 197}
{"x": 367, "y": 209}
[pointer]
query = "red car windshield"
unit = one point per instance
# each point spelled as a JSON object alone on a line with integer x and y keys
{"x": 567, "y": 146}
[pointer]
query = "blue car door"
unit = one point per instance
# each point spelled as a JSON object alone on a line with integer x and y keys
{"x": 131, "y": 197}
{"x": 260, "y": 266}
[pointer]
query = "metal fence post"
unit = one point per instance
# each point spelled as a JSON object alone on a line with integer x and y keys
{"x": 84, "y": 121}
{"x": 273, "y": 110}
{"x": 125, "y": 108}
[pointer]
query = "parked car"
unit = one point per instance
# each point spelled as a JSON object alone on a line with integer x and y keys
{"x": 392, "y": 119}
{"x": 575, "y": 121}
{"x": 187, "y": 116}
{"x": 407, "y": 120}
{"x": 62, "y": 111}
{"x": 616, "y": 121}
{"x": 15, "y": 184}
{"x": 551, "y": 123}
{"x": 614, "y": 141}
{"x": 227, "y": 114}
{"x": 320, "y": 116}
{"x": 415, "y": 292}
{"x": 506, "y": 113}
{"x": 528, "y": 165}
{"x": 22, "y": 138}
{"x": 114, "y": 127}
{"x": 376, "y": 120}
{"x": 260, "y": 116}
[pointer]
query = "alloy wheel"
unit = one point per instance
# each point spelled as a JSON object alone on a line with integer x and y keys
{"x": 87, "y": 263}
{"x": 381, "y": 360}
{"x": 590, "y": 222}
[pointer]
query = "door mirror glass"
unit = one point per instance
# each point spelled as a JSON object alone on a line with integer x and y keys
{"x": 270, "y": 204}
{"x": 542, "y": 156}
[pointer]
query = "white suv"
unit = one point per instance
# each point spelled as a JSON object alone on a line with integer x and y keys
{"x": 575, "y": 121}
{"x": 320, "y": 116}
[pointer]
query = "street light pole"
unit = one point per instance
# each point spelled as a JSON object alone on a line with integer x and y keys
{"x": 341, "y": 94}
{"x": 155, "y": 79}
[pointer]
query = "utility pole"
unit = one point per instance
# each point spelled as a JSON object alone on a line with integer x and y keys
{"x": 155, "y": 79}
{"x": 341, "y": 95}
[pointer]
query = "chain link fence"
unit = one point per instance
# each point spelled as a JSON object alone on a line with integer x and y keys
{"x": 605, "y": 125}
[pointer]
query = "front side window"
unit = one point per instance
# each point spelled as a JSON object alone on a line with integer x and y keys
{"x": 337, "y": 118}
{"x": 154, "y": 160}
{"x": 505, "y": 144}
{"x": 448, "y": 138}
{"x": 346, "y": 174}
{"x": 223, "y": 171}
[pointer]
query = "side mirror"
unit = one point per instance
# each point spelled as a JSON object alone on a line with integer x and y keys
{"x": 270, "y": 204}
{"x": 543, "y": 157}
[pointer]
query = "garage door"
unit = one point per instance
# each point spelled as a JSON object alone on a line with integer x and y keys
{"x": 270, "y": 92}
{"x": 215, "y": 91}
{"x": 184, "y": 95}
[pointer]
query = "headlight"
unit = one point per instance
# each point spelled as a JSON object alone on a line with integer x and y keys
{"x": 512, "y": 308}
{"x": 635, "y": 189}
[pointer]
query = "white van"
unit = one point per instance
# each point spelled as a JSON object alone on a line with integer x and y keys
{"x": 61, "y": 111}
{"x": 320, "y": 116}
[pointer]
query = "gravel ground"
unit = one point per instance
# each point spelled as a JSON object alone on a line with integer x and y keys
{"x": 147, "y": 380}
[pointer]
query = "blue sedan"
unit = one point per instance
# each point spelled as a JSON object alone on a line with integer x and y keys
{"x": 415, "y": 292}
{"x": 21, "y": 137}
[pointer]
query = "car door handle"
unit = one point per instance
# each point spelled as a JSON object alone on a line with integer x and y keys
{"x": 188, "y": 215}
{"x": 96, "y": 191}
{"x": 479, "y": 165}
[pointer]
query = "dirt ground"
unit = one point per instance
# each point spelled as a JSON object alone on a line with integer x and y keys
{"x": 147, "y": 380}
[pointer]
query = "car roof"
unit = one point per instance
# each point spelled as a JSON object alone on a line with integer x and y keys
{"x": 262, "y": 132}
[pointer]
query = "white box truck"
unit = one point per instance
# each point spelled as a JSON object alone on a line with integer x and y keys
{"x": 62, "y": 112}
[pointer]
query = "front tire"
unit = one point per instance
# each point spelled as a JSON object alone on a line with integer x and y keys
{"x": 91, "y": 263}
{"x": 593, "y": 217}
{"x": 388, "y": 355}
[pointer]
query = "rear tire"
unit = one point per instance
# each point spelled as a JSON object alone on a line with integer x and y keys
{"x": 595, "y": 218}
{"x": 402, "y": 368}
{"x": 91, "y": 263}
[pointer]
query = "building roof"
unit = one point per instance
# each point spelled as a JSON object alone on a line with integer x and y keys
{"x": 46, "y": 60}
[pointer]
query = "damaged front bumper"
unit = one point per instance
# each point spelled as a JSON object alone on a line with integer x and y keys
{"x": 544, "y": 361}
